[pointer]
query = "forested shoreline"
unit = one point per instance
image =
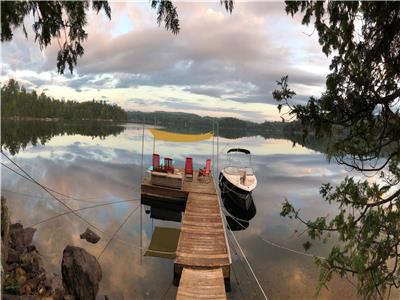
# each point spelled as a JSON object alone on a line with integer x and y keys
{"x": 182, "y": 121}
{"x": 17, "y": 103}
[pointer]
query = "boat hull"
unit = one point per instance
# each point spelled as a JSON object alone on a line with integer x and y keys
{"x": 240, "y": 197}
{"x": 238, "y": 212}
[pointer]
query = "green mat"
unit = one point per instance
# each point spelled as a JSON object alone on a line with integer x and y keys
{"x": 165, "y": 240}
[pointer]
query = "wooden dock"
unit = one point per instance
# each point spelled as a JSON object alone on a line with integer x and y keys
{"x": 201, "y": 284}
{"x": 203, "y": 254}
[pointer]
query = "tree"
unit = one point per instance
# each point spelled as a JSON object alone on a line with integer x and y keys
{"x": 16, "y": 102}
{"x": 65, "y": 22}
{"x": 359, "y": 116}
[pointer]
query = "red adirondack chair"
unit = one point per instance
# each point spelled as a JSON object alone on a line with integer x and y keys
{"x": 156, "y": 162}
{"x": 206, "y": 171}
{"x": 168, "y": 165}
{"x": 189, "y": 168}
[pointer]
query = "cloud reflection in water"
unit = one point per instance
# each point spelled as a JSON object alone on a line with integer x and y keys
{"x": 109, "y": 170}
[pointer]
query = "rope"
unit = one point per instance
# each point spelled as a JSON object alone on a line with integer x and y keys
{"x": 52, "y": 190}
{"x": 30, "y": 178}
{"x": 240, "y": 258}
{"x": 166, "y": 292}
{"x": 291, "y": 250}
{"x": 236, "y": 218}
{"x": 80, "y": 209}
{"x": 238, "y": 283}
{"x": 243, "y": 254}
{"x": 50, "y": 198}
{"x": 51, "y": 194}
{"x": 248, "y": 264}
{"x": 275, "y": 244}
{"x": 263, "y": 239}
{"x": 118, "y": 229}
{"x": 241, "y": 250}
{"x": 25, "y": 195}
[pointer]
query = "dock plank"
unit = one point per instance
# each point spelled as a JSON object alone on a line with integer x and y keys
{"x": 214, "y": 251}
{"x": 201, "y": 284}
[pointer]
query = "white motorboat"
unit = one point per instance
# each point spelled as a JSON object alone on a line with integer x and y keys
{"x": 237, "y": 180}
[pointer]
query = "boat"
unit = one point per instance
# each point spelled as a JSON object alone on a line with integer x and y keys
{"x": 237, "y": 218}
{"x": 237, "y": 211}
{"x": 237, "y": 180}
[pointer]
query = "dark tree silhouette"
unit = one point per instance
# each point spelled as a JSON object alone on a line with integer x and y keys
{"x": 61, "y": 21}
{"x": 358, "y": 114}
{"x": 17, "y": 103}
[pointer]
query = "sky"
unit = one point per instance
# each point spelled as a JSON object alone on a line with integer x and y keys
{"x": 220, "y": 64}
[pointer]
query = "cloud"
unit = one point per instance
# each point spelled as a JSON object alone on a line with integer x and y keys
{"x": 234, "y": 57}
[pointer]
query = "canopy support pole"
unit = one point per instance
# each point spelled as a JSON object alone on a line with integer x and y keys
{"x": 217, "y": 148}
{"x": 154, "y": 138}
{"x": 141, "y": 180}
{"x": 213, "y": 131}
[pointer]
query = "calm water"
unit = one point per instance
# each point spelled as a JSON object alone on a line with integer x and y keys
{"x": 106, "y": 167}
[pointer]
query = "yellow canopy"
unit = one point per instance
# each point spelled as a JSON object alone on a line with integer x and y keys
{"x": 179, "y": 137}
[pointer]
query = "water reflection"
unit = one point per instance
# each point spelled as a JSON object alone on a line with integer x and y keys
{"x": 237, "y": 216}
{"x": 108, "y": 169}
{"x": 16, "y": 135}
{"x": 165, "y": 213}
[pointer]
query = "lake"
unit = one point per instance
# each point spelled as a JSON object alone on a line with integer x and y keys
{"x": 104, "y": 165}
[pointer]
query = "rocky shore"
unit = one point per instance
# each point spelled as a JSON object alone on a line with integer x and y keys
{"x": 23, "y": 274}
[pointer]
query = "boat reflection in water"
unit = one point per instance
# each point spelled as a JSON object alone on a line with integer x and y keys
{"x": 237, "y": 217}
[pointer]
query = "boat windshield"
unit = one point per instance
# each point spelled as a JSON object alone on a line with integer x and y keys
{"x": 238, "y": 170}
{"x": 239, "y": 159}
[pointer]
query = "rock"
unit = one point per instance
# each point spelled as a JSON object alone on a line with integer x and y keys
{"x": 9, "y": 297}
{"x": 31, "y": 248}
{"x": 27, "y": 288}
{"x": 10, "y": 283}
{"x": 20, "y": 276}
{"x": 20, "y": 237}
{"x": 22, "y": 297}
{"x": 16, "y": 226}
{"x": 28, "y": 235}
{"x": 10, "y": 267}
{"x": 42, "y": 291}
{"x": 81, "y": 273}
{"x": 32, "y": 262}
{"x": 90, "y": 236}
{"x": 35, "y": 282}
{"x": 36, "y": 264}
{"x": 56, "y": 286}
{"x": 23, "y": 275}
{"x": 5, "y": 231}
{"x": 13, "y": 256}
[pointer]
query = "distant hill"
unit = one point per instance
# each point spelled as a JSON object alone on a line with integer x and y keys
{"x": 180, "y": 121}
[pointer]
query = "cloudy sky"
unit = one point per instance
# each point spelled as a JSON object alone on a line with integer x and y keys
{"x": 219, "y": 64}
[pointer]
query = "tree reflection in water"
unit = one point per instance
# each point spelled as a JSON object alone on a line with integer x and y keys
{"x": 17, "y": 135}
